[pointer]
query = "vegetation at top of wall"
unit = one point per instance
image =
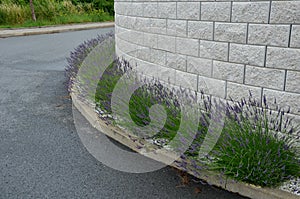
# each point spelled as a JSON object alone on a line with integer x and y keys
{"x": 17, "y": 13}
{"x": 256, "y": 145}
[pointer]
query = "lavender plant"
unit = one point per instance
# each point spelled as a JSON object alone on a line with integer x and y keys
{"x": 106, "y": 85}
{"x": 204, "y": 122}
{"x": 255, "y": 146}
{"x": 152, "y": 92}
{"x": 149, "y": 95}
{"x": 79, "y": 54}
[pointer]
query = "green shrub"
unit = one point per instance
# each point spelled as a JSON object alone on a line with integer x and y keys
{"x": 252, "y": 149}
{"x": 54, "y": 12}
{"x": 46, "y": 9}
{"x": 13, "y": 13}
{"x": 105, "y": 5}
{"x": 140, "y": 102}
{"x": 105, "y": 87}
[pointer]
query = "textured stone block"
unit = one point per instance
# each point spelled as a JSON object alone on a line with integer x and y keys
{"x": 176, "y": 61}
{"x": 199, "y": 66}
{"x": 166, "y": 74}
{"x": 127, "y": 47}
{"x": 257, "y": 12}
{"x": 167, "y": 10}
{"x": 188, "y": 10}
{"x": 150, "y": 40}
{"x": 146, "y": 68}
{"x": 122, "y": 21}
{"x": 295, "y": 37}
{"x": 120, "y": 32}
{"x": 158, "y": 57}
{"x": 166, "y": 43}
{"x": 200, "y": 30}
{"x": 214, "y": 50}
{"x": 136, "y": 9}
{"x": 117, "y": 20}
{"x": 265, "y": 77}
{"x": 266, "y": 34}
{"x": 284, "y": 58}
{"x": 186, "y": 80}
{"x": 228, "y": 71}
{"x": 121, "y": 8}
{"x": 187, "y": 46}
{"x": 285, "y": 12}
{"x": 238, "y": 91}
{"x": 212, "y": 86}
{"x": 150, "y": 9}
{"x": 118, "y": 8}
{"x": 247, "y": 54}
{"x": 153, "y": 70}
{"x": 285, "y": 100}
{"x": 215, "y": 11}
{"x": 176, "y": 27}
{"x": 231, "y": 32}
{"x": 158, "y": 26}
{"x": 138, "y": 23}
{"x": 132, "y": 36}
{"x": 118, "y": 29}
{"x": 293, "y": 82}
{"x": 144, "y": 53}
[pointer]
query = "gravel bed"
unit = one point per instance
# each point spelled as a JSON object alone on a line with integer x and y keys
{"x": 292, "y": 186}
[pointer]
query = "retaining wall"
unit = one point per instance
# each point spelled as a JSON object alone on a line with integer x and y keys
{"x": 224, "y": 47}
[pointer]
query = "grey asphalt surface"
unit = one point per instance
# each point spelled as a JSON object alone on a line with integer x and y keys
{"x": 41, "y": 155}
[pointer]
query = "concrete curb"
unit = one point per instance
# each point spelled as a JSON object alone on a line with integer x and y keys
{"x": 52, "y": 29}
{"x": 212, "y": 178}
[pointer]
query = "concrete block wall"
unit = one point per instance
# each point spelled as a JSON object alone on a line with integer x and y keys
{"x": 225, "y": 47}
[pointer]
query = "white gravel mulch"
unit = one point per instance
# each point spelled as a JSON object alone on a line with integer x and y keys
{"x": 293, "y": 186}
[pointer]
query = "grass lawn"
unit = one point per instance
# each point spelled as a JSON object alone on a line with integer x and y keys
{"x": 61, "y": 20}
{"x": 17, "y": 13}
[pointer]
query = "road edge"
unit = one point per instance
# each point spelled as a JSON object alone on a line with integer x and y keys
{"x": 5, "y": 33}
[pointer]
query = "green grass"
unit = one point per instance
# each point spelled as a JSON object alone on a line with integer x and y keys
{"x": 105, "y": 87}
{"x": 255, "y": 155}
{"x": 50, "y": 12}
{"x": 143, "y": 99}
{"x": 74, "y": 19}
{"x": 139, "y": 104}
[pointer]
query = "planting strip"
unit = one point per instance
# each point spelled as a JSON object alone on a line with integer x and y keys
{"x": 164, "y": 156}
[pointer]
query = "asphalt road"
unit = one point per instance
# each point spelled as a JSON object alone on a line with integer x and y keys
{"x": 41, "y": 155}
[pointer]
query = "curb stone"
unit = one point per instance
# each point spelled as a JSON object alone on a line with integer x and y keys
{"x": 4, "y": 33}
{"x": 212, "y": 178}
